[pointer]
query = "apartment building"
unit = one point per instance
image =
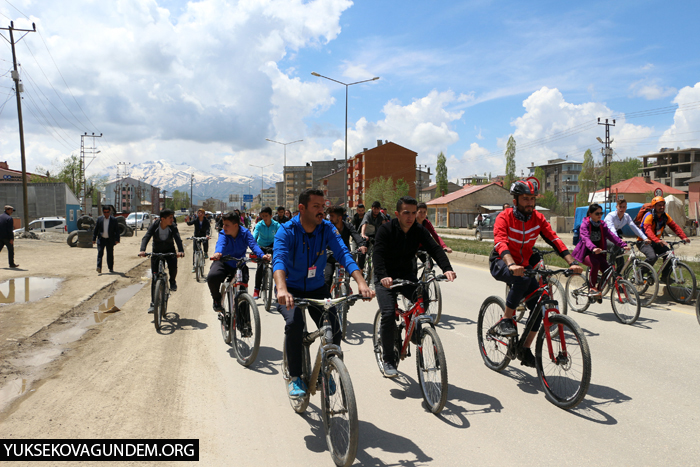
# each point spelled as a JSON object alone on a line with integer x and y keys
{"x": 269, "y": 197}
{"x": 672, "y": 167}
{"x": 560, "y": 177}
{"x": 296, "y": 180}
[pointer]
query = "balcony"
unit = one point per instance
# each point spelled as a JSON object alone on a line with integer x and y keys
{"x": 349, "y": 171}
{"x": 349, "y": 182}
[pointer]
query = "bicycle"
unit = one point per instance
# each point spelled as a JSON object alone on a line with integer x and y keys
{"x": 562, "y": 355}
{"x": 419, "y": 328}
{"x": 434, "y": 307}
{"x": 267, "y": 285}
{"x": 642, "y": 275}
{"x": 340, "y": 287}
{"x": 198, "y": 257}
{"x": 240, "y": 321}
{"x": 330, "y": 375}
{"x": 624, "y": 297}
{"x": 680, "y": 280}
{"x": 161, "y": 291}
{"x": 368, "y": 271}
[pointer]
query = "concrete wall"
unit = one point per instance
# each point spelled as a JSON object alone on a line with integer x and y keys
{"x": 43, "y": 199}
{"x": 562, "y": 224}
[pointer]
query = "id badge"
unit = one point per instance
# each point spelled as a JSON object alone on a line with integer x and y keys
{"x": 312, "y": 272}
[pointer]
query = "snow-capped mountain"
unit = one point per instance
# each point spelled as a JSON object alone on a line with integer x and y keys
{"x": 218, "y": 183}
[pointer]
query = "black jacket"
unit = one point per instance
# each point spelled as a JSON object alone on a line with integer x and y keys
{"x": 160, "y": 246}
{"x": 348, "y": 231}
{"x": 6, "y": 227}
{"x": 202, "y": 231}
{"x": 394, "y": 251}
{"x": 113, "y": 232}
{"x": 281, "y": 220}
{"x": 356, "y": 219}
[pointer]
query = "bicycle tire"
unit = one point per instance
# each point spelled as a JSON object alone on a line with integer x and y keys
{"x": 245, "y": 344}
{"x": 643, "y": 276}
{"x": 431, "y": 364}
{"x": 434, "y": 308}
{"x": 267, "y": 293}
{"x": 341, "y": 290}
{"x": 676, "y": 283}
{"x": 226, "y": 300}
{"x": 625, "y": 302}
{"x": 577, "y": 293}
{"x": 570, "y": 375}
{"x": 299, "y": 405}
{"x": 697, "y": 310}
{"x": 158, "y": 303}
{"x": 378, "y": 349}
{"x": 339, "y": 413}
{"x": 198, "y": 272}
{"x": 493, "y": 348}
{"x": 201, "y": 266}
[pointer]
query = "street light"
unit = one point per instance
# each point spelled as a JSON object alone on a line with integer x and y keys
{"x": 285, "y": 149}
{"x": 346, "y": 119}
{"x": 262, "y": 174}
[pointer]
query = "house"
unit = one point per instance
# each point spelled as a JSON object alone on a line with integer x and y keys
{"x": 636, "y": 190}
{"x": 672, "y": 167}
{"x": 460, "y": 208}
{"x": 429, "y": 192}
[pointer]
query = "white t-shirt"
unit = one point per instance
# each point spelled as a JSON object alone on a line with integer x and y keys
{"x": 105, "y": 227}
{"x": 614, "y": 223}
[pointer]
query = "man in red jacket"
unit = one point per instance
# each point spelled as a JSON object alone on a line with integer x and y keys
{"x": 653, "y": 224}
{"x": 515, "y": 233}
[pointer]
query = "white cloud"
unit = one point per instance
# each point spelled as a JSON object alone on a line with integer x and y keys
{"x": 650, "y": 90}
{"x": 686, "y": 120}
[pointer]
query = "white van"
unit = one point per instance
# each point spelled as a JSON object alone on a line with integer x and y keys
{"x": 139, "y": 220}
{"x": 46, "y": 224}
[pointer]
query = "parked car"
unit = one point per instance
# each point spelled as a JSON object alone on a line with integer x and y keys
{"x": 139, "y": 220}
{"x": 485, "y": 229}
{"x": 46, "y": 224}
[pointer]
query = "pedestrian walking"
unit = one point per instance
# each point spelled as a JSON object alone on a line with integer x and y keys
{"x": 106, "y": 235}
{"x": 7, "y": 236}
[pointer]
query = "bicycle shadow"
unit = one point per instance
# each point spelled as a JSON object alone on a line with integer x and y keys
{"x": 451, "y": 322}
{"x": 172, "y": 322}
{"x": 610, "y": 317}
{"x": 356, "y": 333}
{"x": 267, "y": 361}
{"x": 456, "y": 415}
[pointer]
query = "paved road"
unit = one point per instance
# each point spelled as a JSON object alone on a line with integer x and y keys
{"x": 128, "y": 381}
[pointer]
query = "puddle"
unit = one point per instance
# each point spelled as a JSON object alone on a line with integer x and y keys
{"x": 116, "y": 301}
{"x": 148, "y": 275}
{"x": 27, "y": 289}
{"x": 12, "y": 389}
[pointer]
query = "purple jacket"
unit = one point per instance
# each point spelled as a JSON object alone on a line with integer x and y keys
{"x": 586, "y": 246}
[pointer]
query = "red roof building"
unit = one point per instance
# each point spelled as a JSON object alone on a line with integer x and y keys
{"x": 638, "y": 190}
{"x": 460, "y": 208}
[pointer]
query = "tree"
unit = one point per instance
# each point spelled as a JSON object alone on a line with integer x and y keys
{"x": 180, "y": 200}
{"x": 510, "y": 163}
{"x": 441, "y": 175}
{"x": 208, "y": 205}
{"x": 539, "y": 175}
{"x": 384, "y": 191}
{"x": 402, "y": 188}
{"x": 549, "y": 200}
{"x": 625, "y": 169}
{"x": 66, "y": 170}
{"x": 587, "y": 179}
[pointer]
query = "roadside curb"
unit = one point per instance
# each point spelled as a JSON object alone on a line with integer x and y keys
{"x": 468, "y": 258}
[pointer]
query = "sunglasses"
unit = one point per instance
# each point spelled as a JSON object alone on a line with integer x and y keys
{"x": 598, "y": 213}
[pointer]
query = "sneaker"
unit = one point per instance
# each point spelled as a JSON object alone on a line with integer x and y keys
{"x": 297, "y": 388}
{"x": 151, "y": 308}
{"x": 526, "y": 358}
{"x": 192, "y": 269}
{"x": 173, "y": 287}
{"x": 111, "y": 271}
{"x": 217, "y": 307}
{"x": 99, "y": 270}
{"x": 14, "y": 266}
{"x": 506, "y": 327}
{"x": 256, "y": 294}
{"x": 390, "y": 370}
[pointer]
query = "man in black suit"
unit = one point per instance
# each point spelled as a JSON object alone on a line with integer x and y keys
{"x": 106, "y": 235}
{"x": 7, "y": 236}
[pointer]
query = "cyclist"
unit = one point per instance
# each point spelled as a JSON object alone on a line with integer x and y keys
{"x": 395, "y": 247}
{"x": 264, "y": 235}
{"x": 653, "y": 224}
{"x": 300, "y": 256}
{"x": 346, "y": 230}
{"x": 202, "y": 228}
{"x": 235, "y": 240}
{"x": 422, "y": 219}
{"x": 375, "y": 217}
{"x": 515, "y": 232}
{"x": 591, "y": 248}
{"x": 165, "y": 238}
{"x": 615, "y": 221}
{"x": 281, "y": 216}
{"x": 359, "y": 215}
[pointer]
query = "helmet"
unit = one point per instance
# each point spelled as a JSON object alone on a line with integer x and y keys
{"x": 522, "y": 187}
{"x": 658, "y": 199}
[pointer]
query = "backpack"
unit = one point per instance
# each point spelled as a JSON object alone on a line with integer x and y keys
{"x": 640, "y": 215}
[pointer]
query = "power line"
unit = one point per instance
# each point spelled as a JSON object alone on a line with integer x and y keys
{"x": 24, "y": 70}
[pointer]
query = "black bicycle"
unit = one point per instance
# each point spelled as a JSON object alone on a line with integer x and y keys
{"x": 240, "y": 321}
{"x": 340, "y": 287}
{"x": 268, "y": 285}
{"x": 161, "y": 291}
{"x": 331, "y": 376}
{"x": 198, "y": 256}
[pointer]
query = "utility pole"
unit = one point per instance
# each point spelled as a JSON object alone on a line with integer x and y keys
{"x": 262, "y": 175}
{"x": 20, "y": 88}
{"x": 165, "y": 198}
{"x": 191, "y": 198}
{"x": 607, "y": 153}
{"x": 91, "y": 150}
{"x": 419, "y": 183}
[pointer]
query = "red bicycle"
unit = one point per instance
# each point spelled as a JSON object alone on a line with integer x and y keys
{"x": 419, "y": 328}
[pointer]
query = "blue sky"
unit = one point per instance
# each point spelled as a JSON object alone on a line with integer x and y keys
{"x": 206, "y": 82}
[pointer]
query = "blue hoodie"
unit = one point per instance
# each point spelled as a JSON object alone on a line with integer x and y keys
{"x": 296, "y": 252}
{"x": 236, "y": 247}
{"x": 265, "y": 235}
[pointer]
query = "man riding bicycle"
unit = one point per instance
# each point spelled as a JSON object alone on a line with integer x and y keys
{"x": 395, "y": 248}
{"x": 202, "y": 228}
{"x": 300, "y": 258}
{"x": 616, "y": 220}
{"x": 653, "y": 224}
{"x": 359, "y": 215}
{"x": 165, "y": 236}
{"x": 346, "y": 230}
{"x": 264, "y": 235}
{"x": 515, "y": 232}
{"x": 234, "y": 241}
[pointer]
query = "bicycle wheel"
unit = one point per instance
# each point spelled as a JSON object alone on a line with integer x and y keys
{"x": 246, "y": 329}
{"x": 697, "y": 310}
{"x": 566, "y": 374}
{"x": 432, "y": 369}
{"x": 434, "y": 307}
{"x": 681, "y": 284}
{"x": 493, "y": 348}
{"x": 158, "y": 303}
{"x": 341, "y": 290}
{"x": 197, "y": 270}
{"x": 625, "y": 301}
{"x": 559, "y": 294}
{"x": 225, "y": 317}
{"x": 577, "y": 293}
{"x": 267, "y": 292}
{"x": 378, "y": 349}
{"x": 299, "y": 405}
{"x": 644, "y": 278}
{"x": 339, "y": 412}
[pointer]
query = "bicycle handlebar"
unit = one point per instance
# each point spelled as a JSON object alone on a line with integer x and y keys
{"x": 227, "y": 258}
{"x": 327, "y": 302}
{"x": 196, "y": 238}
{"x": 402, "y": 282}
{"x": 547, "y": 272}
{"x": 159, "y": 255}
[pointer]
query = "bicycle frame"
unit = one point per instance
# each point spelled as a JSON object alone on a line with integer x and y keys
{"x": 670, "y": 257}
{"x": 413, "y": 318}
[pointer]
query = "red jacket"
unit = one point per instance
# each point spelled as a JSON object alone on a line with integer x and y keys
{"x": 431, "y": 229}
{"x": 517, "y": 237}
{"x": 654, "y": 228}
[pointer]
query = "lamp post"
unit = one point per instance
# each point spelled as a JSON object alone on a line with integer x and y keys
{"x": 347, "y": 85}
{"x": 262, "y": 175}
{"x": 285, "y": 148}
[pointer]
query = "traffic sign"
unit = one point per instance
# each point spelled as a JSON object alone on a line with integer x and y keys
{"x": 234, "y": 198}
{"x": 328, "y": 203}
{"x": 658, "y": 192}
{"x": 534, "y": 181}
{"x": 247, "y": 198}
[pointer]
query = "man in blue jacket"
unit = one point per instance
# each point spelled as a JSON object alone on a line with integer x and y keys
{"x": 298, "y": 265}
{"x": 264, "y": 235}
{"x": 235, "y": 240}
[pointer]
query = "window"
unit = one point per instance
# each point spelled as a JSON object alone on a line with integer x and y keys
{"x": 49, "y": 224}
{"x": 36, "y": 225}
{"x": 72, "y": 218}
